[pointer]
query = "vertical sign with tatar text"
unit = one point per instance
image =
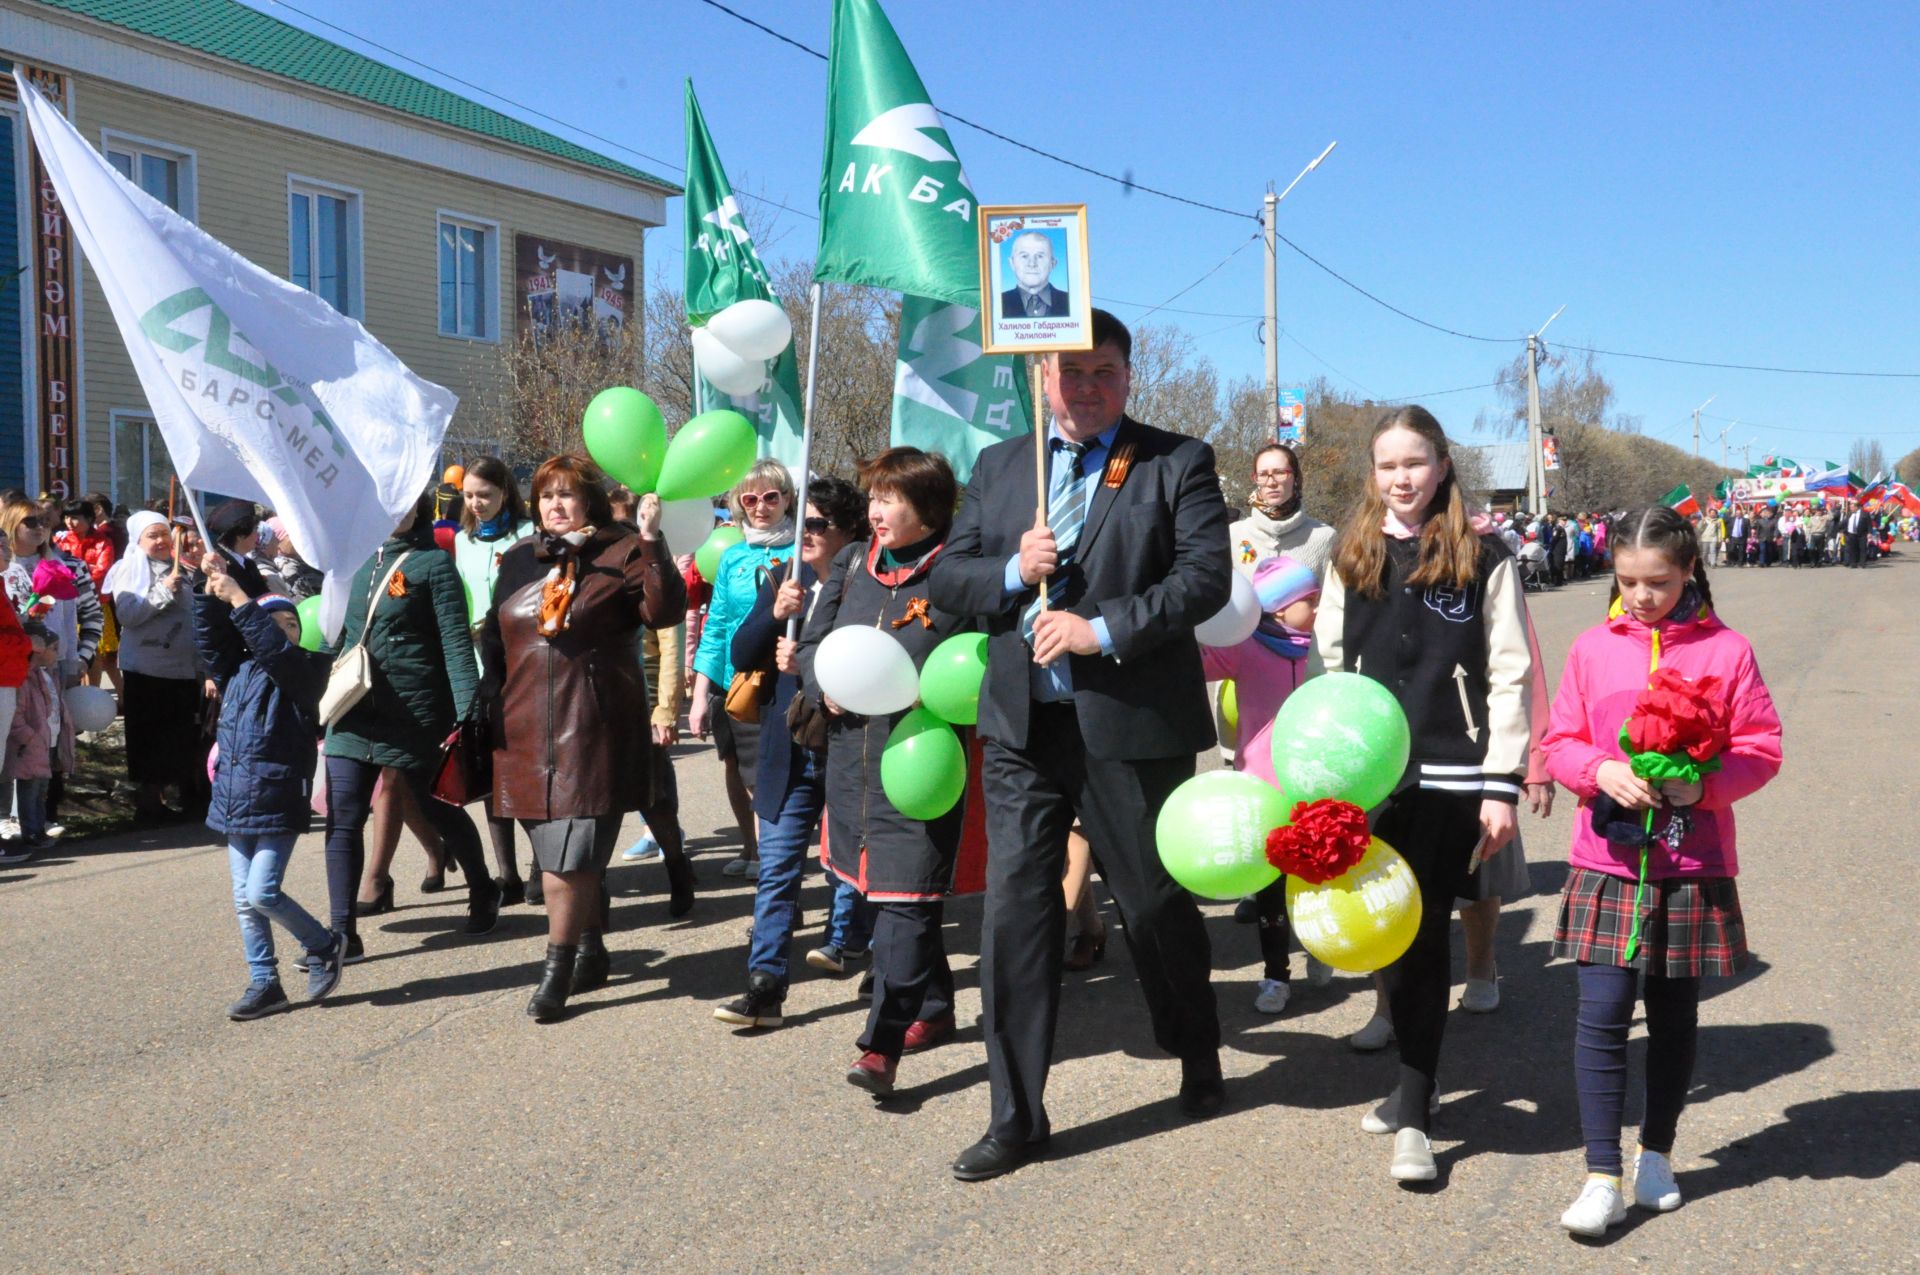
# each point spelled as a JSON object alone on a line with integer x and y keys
{"x": 1292, "y": 425}
{"x": 56, "y": 330}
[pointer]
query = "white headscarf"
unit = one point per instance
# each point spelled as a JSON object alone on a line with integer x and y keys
{"x": 135, "y": 572}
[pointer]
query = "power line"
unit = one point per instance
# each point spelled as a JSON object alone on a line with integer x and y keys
{"x": 1330, "y": 367}
{"x": 1822, "y": 433}
{"x": 1743, "y": 367}
{"x": 1124, "y": 182}
{"x": 1204, "y": 314}
{"x": 1217, "y": 267}
{"x": 1415, "y": 398}
{"x": 1466, "y": 336}
{"x": 521, "y": 106}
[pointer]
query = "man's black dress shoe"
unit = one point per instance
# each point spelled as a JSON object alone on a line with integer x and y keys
{"x": 990, "y": 1157}
{"x": 1202, "y": 1091}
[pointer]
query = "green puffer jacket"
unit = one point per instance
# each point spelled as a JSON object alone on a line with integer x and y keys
{"x": 423, "y": 668}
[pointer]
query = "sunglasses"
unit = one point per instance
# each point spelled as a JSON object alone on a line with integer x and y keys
{"x": 34, "y": 523}
{"x": 749, "y": 499}
{"x": 816, "y": 526}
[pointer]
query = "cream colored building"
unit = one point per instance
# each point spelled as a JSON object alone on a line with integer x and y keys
{"x": 443, "y": 225}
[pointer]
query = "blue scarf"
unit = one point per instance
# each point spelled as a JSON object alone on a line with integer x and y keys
{"x": 495, "y": 527}
{"x": 1291, "y": 644}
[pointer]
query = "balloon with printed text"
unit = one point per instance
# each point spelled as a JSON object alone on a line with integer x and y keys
{"x": 1340, "y": 735}
{"x": 1212, "y": 834}
{"x": 1362, "y": 920}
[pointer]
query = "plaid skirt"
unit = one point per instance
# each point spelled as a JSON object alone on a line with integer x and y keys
{"x": 1692, "y": 926}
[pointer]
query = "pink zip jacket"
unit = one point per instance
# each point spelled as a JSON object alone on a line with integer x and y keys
{"x": 1262, "y": 680}
{"x": 1606, "y": 670}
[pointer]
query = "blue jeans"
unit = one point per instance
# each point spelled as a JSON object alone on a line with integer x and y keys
{"x": 258, "y": 863}
{"x": 30, "y": 797}
{"x": 783, "y": 863}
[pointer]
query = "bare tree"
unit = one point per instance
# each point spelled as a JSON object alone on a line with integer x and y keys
{"x": 534, "y": 389}
{"x": 1172, "y": 388}
{"x": 1907, "y": 468}
{"x": 1867, "y": 458}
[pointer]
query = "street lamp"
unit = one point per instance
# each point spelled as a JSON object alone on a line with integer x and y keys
{"x": 1696, "y": 425}
{"x": 1536, "y": 463}
{"x": 1267, "y": 219}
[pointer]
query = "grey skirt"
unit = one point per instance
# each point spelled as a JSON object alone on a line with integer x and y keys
{"x": 1502, "y": 877}
{"x": 573, "y": 845}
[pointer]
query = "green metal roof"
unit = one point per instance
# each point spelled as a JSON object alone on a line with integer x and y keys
{"x": 230, "y": 30}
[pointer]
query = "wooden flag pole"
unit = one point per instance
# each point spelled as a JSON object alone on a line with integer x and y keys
{"x": 1039, "y": 448}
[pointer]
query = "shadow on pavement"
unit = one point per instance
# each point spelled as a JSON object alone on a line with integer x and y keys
{"x": 1869, "y": 1134}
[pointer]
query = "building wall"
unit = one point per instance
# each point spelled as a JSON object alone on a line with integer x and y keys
{"x": 241, "y": 174}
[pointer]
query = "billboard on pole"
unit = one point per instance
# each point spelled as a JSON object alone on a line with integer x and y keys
{"x": 1293, "y": 417}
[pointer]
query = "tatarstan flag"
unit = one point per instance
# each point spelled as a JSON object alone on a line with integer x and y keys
{"x": 1681, "y": 501}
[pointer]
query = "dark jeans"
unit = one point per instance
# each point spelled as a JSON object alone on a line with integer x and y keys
{"x": 1271, "y": 906}
{"x": 349, "y": 802}
{"x": 911, "y": 978}
{"x": 1600, "y": 1058}
{"x": 1435, "y": 832}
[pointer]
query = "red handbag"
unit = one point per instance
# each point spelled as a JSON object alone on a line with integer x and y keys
{"x": 465, "y": 773}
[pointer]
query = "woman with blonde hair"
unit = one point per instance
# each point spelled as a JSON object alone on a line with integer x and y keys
{"x": 762, "y": 505}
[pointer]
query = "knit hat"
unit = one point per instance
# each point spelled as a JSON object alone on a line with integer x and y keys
{"x": 1280, "y": 581}
{"x": 277, "y": 602}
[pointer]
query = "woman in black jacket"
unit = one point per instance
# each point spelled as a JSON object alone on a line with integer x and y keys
{"x": 904, "y": 866}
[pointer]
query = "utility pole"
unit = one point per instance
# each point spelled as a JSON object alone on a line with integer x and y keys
{"x": 1723, "y": 443}
{"x": 1269, "y": 215}
{"x": 1536, "y": 463}
{"x": 1696, "y": 425}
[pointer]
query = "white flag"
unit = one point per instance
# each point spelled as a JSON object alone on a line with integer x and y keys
{"x": 261, "y": 389}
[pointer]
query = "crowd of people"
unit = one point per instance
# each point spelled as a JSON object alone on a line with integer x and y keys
{"x": 538, "y": 650}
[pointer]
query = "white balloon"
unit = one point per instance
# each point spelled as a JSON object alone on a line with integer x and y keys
{"x": 752, "y": 329}
{"x": 91, "y": 707}
{"x": 866, "y": 671}
{"x": 685, "y": 524}
{"x": 725, "y": 370}
{"x": 1235, "y": 622}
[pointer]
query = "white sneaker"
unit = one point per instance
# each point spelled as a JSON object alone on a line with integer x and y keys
{"x": 56, "y": 830}
{"x": 741, "y": 867}
{"x": 9, "y": 830}
{"x": 1482, "y": 995}
{"x": 1375, "y": 1121}
{"x": 1272, "y": 998}
{"x": 1376, "y": 1035}
{"x": 1319, "y": 973}
{"x": 1598, "y": 1208}
{"x": 1413, "y": 1158}
{"x": 1653, "y": 1184}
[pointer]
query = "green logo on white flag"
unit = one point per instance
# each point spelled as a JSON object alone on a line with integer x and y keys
{"x": 947, "y": 396}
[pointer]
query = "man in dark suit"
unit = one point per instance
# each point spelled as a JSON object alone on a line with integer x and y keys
{"x": 1737, "y": 538}
{"x": 1092, "y": 708}
{"x": 1858, "y": 526}
{"x": 1033, "y": 295}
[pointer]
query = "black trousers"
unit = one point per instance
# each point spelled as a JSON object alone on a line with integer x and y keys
{"x": 911, "y": 977}
{"x": 1435, "y": 832}
{"x": 350, "y": 801}
{"x": 1856, "y": 549}
{"x": 1033, "y": 795}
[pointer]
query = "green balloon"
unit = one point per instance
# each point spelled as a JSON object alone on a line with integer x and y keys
{"x": 1342, "y": 735}
{"x": 950, "y": 680}
{"x": 923, "y": 768}
{"x": 626, "y": 436}
{"x": 309, "y": 612}
{"x": 711, "y": 453}
{"x": 1212, "y": 834}
{"x": 707, "y": 556}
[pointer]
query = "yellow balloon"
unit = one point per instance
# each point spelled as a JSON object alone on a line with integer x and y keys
{"x": 1363, "y": 920}
{"x": 1230, "y": 708}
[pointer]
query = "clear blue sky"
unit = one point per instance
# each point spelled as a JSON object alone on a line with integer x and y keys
{"x": 1711, "y": 181}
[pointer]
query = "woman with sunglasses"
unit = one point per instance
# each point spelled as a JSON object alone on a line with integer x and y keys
{"x": 762, "y": 505}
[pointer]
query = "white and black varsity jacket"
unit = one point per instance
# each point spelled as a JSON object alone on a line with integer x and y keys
{"x": 1457, "y": 660}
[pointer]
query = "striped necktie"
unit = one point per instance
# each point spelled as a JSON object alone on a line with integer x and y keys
{"x": 1066, "y": 513}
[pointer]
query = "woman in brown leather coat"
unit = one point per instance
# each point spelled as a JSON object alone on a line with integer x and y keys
{"x": 571, "y": 728}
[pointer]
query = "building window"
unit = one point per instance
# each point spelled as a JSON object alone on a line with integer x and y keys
{"x": 323, "y": 241}
{"x": 165, "y": 172}
{"x": 469, "y": 277}
{"x": 141, "y": 470}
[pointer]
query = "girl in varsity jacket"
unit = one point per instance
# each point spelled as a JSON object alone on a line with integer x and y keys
{"x": 1421, "y": 602}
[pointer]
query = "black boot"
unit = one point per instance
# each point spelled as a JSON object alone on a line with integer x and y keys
{"x": 590, "y": 964}
{"x": 679, "y": 884}
{"x": 549, "y": 1003}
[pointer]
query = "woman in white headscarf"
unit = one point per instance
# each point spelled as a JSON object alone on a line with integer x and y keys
{"x": 152, "y": 598}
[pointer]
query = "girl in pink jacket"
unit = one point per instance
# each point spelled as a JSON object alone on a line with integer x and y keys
{"x": 1690, "y": 924}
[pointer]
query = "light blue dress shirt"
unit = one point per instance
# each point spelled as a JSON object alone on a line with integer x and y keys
{"x": 1053, "y": 683}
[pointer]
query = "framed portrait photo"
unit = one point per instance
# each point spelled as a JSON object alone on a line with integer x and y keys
{"x": 1035, "y": 296}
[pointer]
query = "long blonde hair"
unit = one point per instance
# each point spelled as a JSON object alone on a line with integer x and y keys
{"x": 1449, "y": 546}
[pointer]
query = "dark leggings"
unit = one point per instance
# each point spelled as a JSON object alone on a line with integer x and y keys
{"x": 1435, "y": 832}
{"x": 349, "y": 802}
{"x": 911, "y": 978}
{"x": 1607, "y": 993}
{"x": 1271, "y": 905}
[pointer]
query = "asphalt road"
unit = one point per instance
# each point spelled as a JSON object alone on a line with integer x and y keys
{"x": 419, "y": 1121}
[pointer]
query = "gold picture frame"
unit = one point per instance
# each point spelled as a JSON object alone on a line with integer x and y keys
{"x": 1019, "y": 312}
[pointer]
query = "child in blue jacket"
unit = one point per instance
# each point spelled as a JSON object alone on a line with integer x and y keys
{"x": 269, "y": 724}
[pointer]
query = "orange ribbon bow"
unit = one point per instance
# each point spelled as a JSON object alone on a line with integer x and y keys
{"x": 1118, "y": 464}
{"x": 397, "y": 587}
{"x": 916, "y": 610}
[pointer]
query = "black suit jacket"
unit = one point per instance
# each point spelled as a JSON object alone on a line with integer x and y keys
{"x": 1012, "y": 307}
{"x": 1156, "y": 563}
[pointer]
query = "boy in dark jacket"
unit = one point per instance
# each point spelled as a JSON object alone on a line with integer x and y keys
{"x": 269, "y": 723}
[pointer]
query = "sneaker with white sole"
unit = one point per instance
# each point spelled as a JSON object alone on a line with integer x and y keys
{"x": 1598, "y": 1207}
{"x": 1413, "y": 1157}
{"x": 1482, "y": 995}
{"x": 9, "y": 830}
{"x": 828, "y": 957}
{"x": 1272, "y": 997}
{"x": 741, "y": 867}
{"x": 1383, "y": 1119}
{"x": 56, "y": 830}
{"x": 1319, "y": 973}
{"x": 645, "y": 850}
{"x": 1653, "y": 1184}
{"x": 1376, "y": 1035}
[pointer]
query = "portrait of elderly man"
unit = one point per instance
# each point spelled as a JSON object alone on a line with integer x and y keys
{"x": 1030, "y": 256}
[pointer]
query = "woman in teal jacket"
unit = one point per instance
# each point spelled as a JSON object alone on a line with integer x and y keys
{"x": 762, "y": 505}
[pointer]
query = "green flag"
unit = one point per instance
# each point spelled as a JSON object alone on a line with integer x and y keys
{"x": 1681, "y": 501}
{"x": 723, "y": 267}
{"x": 896, "y": 211}
{"x": 947, "y": 396}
